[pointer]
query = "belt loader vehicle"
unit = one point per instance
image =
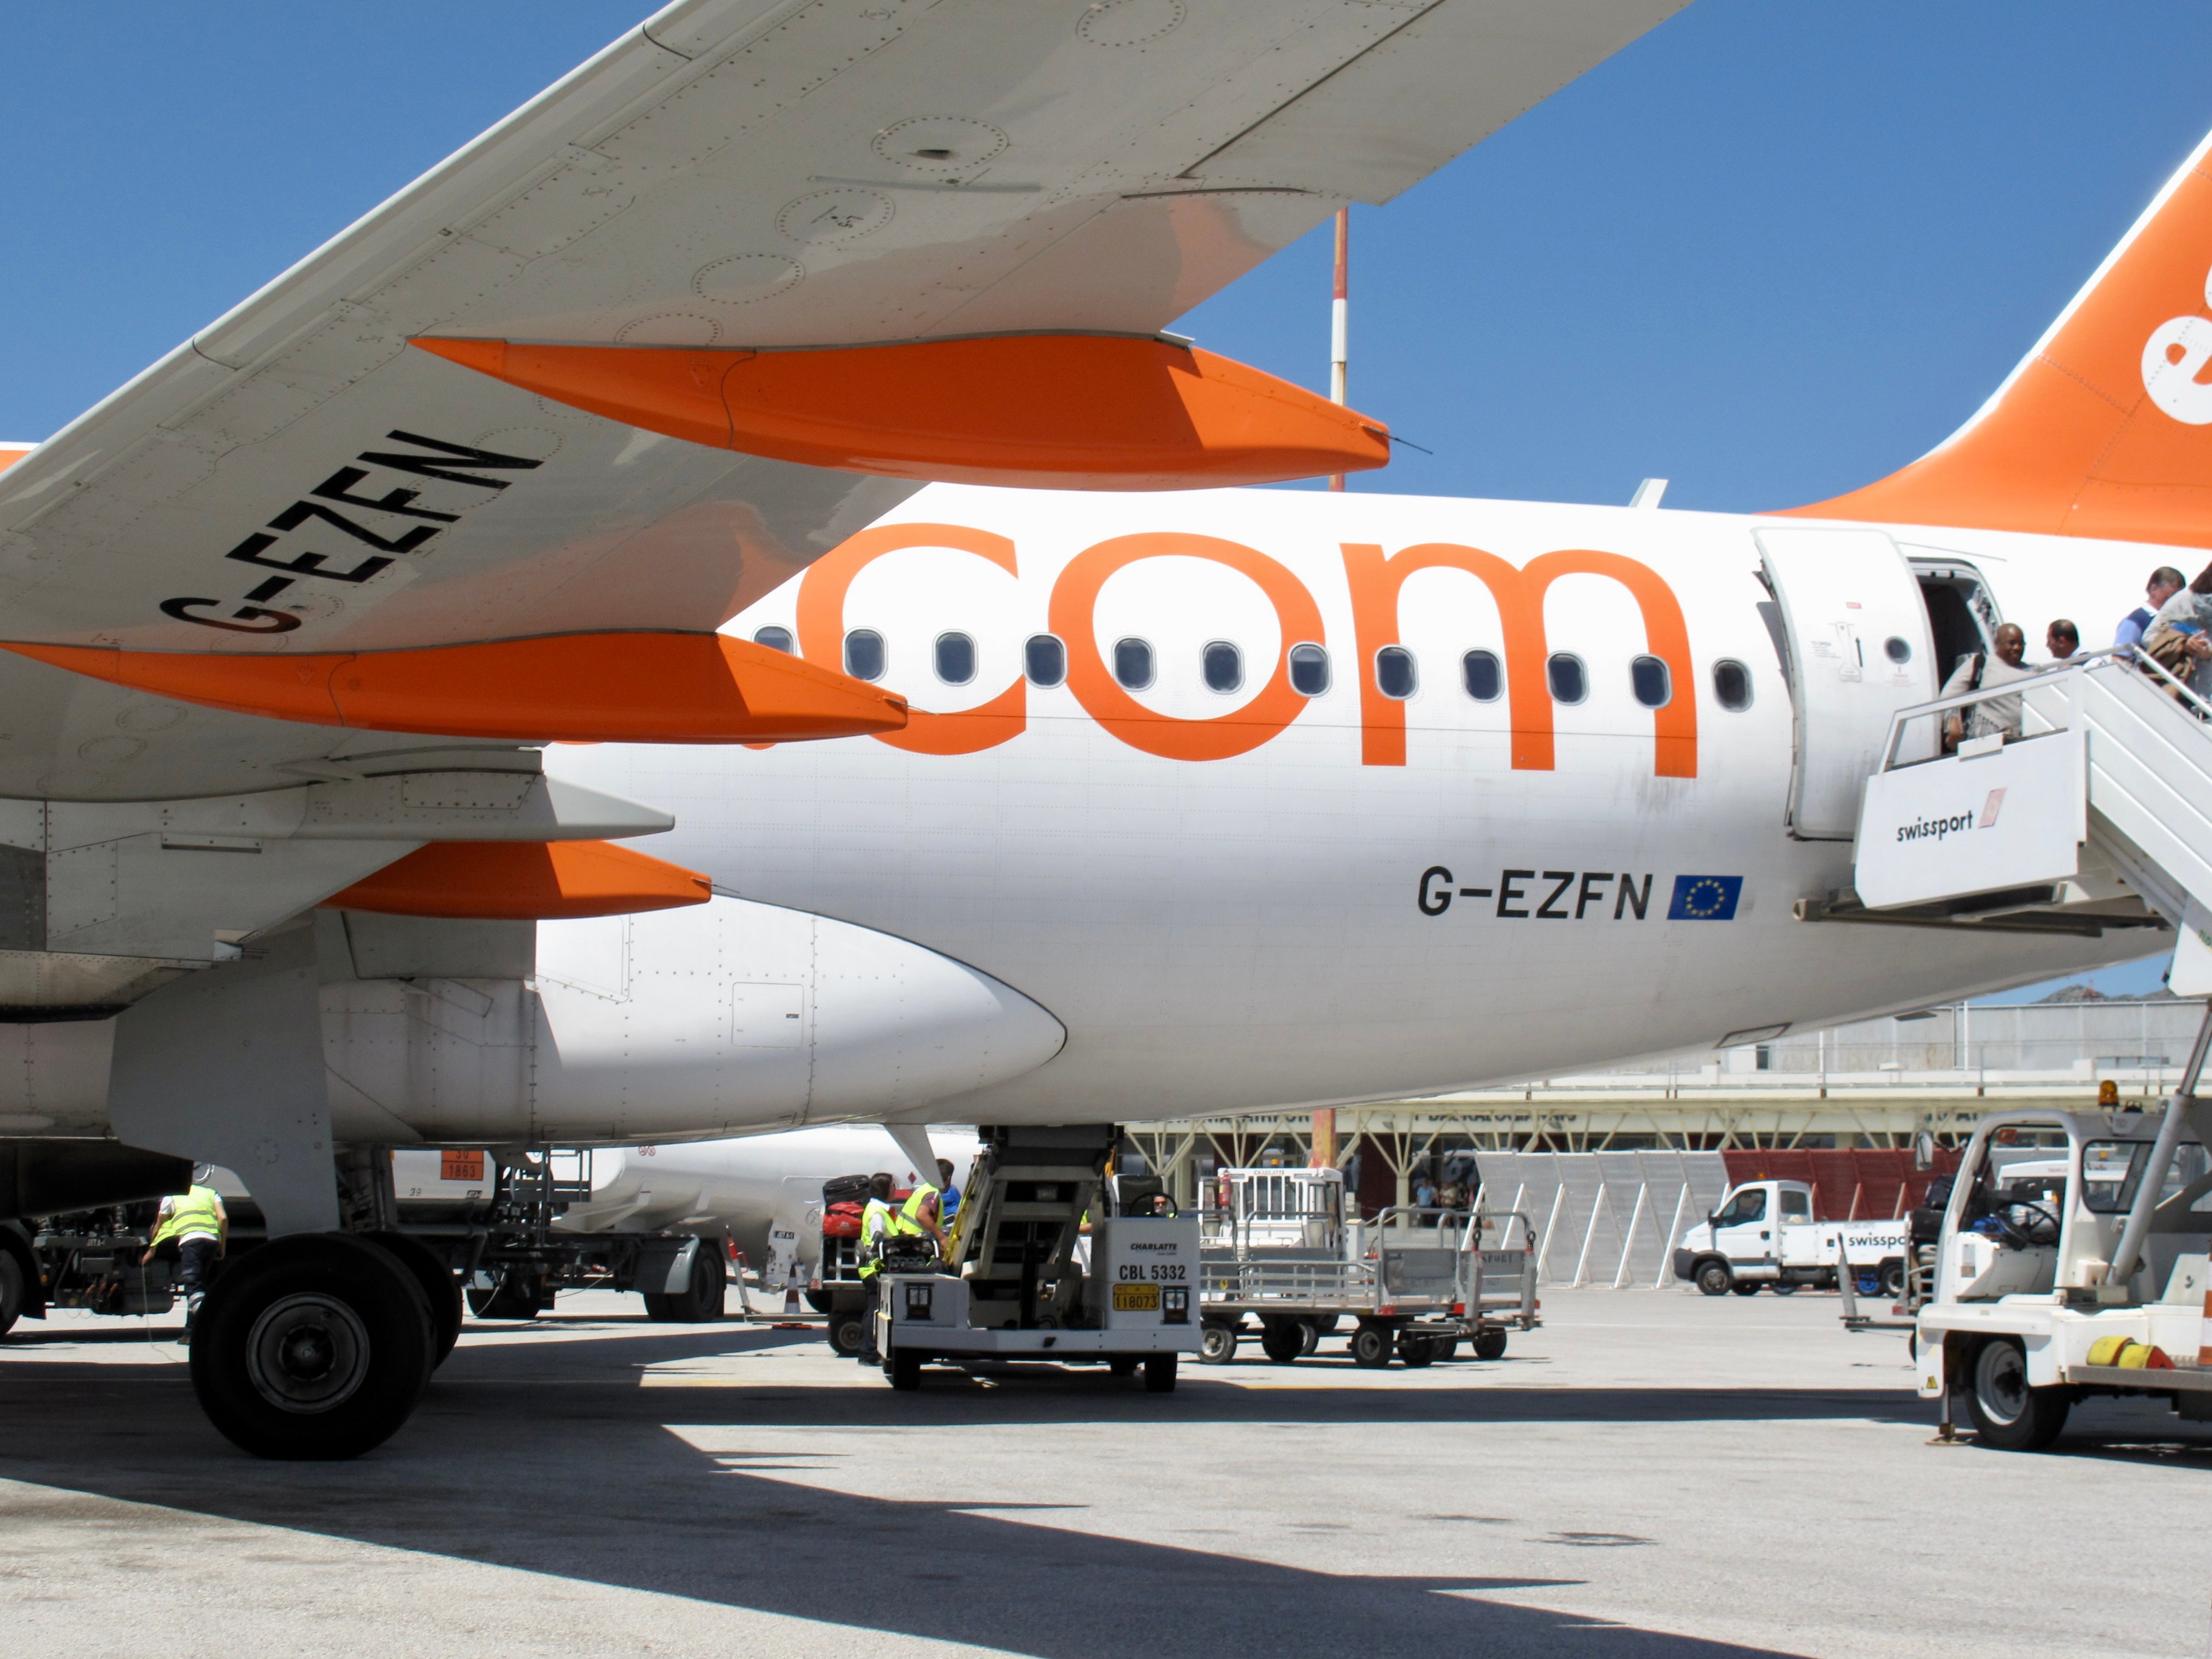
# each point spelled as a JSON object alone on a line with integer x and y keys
{"x": 1013, "y": 1284}
{"x": 1763, "y": 1234}
{"x": 2071, "y": 1261}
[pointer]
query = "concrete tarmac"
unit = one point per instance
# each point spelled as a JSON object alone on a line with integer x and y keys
{"x": 1653, "y": 1476}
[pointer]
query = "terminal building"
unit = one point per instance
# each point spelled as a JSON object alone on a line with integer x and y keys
{"x": 1611, "y": 1167}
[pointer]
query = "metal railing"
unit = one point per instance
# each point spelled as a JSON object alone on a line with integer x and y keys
{"x": 2127, "y": 657}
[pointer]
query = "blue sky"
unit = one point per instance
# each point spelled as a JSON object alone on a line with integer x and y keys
{"x": 1770, "y": 252}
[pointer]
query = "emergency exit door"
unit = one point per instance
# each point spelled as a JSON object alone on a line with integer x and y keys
{"x": 1860, "y": 649}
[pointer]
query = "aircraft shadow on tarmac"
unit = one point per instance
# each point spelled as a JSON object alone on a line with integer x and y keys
{"x": 637, "y": 1506}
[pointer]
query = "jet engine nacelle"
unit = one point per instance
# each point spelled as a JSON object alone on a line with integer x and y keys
{"x": 708, "y": 1020}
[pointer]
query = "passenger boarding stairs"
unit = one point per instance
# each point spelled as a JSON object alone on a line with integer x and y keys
{"x": 2096, "y": 816}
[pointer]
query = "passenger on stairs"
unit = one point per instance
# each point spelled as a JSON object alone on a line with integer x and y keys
{"x": 2165, "y": 582}
{"x": 1978, "y": 672}
{"x": 2063, "y": 641}
{"x": 2177, "y": 639}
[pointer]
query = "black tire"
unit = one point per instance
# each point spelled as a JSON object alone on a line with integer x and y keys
{"x": 11, "y": 1290}
{"x": 516, "y": 1295}
{"x": 441, "y": 1288}
{"x": 1282, "y": 1339}
{"x": 1416, "y": 1351}
{"x": 1371, "y": 1346}
{"x": 848, "y": 1334}
{"x": 1893, "y": 1278}
{"x": 1785, "y": 1287}
{"x": 1489, "y": 1344}
{"x": 818, "y": 1300}
{"x": 1122, "y": 1364}
{"x": 2007, "y": 1413}
{"x": 1748, "y": 1287}
{"x": 312, "y": 1346}
{"x": 659, "y": 1306}
{"x": 700, "y": 1301}
{"x": 1714, "y": 1278}
{"x": 1309, "y": 1335}
{"x": 1444, "y": 1347}
{"x": 1159, "y": 1373}
{"x": 904, "y": 1370}
{"x": 1217, "y": 1343}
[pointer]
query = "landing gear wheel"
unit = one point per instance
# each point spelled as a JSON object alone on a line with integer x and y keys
{"x": 904, "y": 1370}
{"x": 1489, "y": 1344}
{"x": 701, "y": 1303}
{"x": 440, "y": 1289}
{"x": 11, "y": 1290}
{"x": 1121, "y": 1365}
{"x": 1785, "y": 1289}
{"x": 1749, "y": 1287}
{"x": 1217, "y": 1343}
{"x": 1714, "y": 1278}
{"x": 1159, "y": 1373}
{"x": 1282, "y": 1339}
{"x": 1371, "y": 1347}
{"x": 847, "y": 1332}
{"x": 516, "y": 1295}
{"x": 312, "y": 1346}
{"x": 1893, "y": 1278}
{"x": 2006, "y": 1412}
{"x": 1415, "y": 1350}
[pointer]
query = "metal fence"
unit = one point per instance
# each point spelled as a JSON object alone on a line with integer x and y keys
{"x": 1605, "y": 1218}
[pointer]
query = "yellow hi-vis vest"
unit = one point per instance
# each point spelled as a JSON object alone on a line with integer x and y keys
{"x": 195, "y": 1214}
{"x": 907, "y": 1222}
{"x": 876, "y": 1219}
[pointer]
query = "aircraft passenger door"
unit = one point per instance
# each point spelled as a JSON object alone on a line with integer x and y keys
{"x": 1860, "y": 648}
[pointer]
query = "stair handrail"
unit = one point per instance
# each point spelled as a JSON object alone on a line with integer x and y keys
{"x": 2123, "y": 656}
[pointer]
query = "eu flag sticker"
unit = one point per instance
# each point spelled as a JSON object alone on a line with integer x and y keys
{"x": 1705, "y": 898}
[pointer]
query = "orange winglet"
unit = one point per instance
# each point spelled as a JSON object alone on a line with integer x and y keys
{"x": 580, "y": 687}
{"x": 1061, "y": 411}
{"x": 522, "y": 881}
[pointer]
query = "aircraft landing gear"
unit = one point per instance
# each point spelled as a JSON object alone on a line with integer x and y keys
{"x": 315, "y": 1346}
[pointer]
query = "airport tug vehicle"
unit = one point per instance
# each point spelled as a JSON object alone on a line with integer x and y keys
{"x": 1279, "y": 1249}
{"x": 1021, "y": 1280}
{"x": 2071, "y": 1261}
{"x": 1763, "y": 1234}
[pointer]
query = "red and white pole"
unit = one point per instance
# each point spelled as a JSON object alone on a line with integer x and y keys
{"x": 1338, "y": 319}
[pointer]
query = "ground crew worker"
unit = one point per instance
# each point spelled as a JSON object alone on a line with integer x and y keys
{"x": 919, "y": 1214}
{"x": 876, "y": 1217}
{"x": 192, "y": 1230}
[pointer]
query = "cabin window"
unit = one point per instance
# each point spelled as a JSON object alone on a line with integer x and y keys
{"x": 1899, "y": 649}
{"x": 774, "y": 638}
{"x": 956, "y": 659}
{"x": 864, "y": 654}
{"x": 1044, "y": 660}
{"x": 1132, "y": 664}
{"x": 1796, "y": 1206}
{"x": 1308, "y": 670}
{"x": 1732, "y": 685}
{"x": 1394, "y": 672}
{"x": 1479, "y": 672}
{"x": 1225, "y": 666}
{"x": 1569, "y": 681}
{"x": 1652, "y": 685}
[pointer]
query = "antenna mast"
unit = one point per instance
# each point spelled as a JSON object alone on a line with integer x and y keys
{"x": 1339, "y": 319}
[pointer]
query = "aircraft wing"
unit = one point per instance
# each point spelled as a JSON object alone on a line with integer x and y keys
{"x": 196, "y": 559}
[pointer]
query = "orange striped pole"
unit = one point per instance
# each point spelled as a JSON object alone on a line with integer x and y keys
{"x": 1339, "y": 311}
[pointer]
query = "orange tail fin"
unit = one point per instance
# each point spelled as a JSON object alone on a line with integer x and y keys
{"x": 2106, "y": 427}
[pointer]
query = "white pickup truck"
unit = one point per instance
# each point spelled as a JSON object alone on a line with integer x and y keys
{"x": 1763, "y": 1234}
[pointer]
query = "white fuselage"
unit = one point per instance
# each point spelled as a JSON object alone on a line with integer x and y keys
{"x": 1120, "y": 904}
